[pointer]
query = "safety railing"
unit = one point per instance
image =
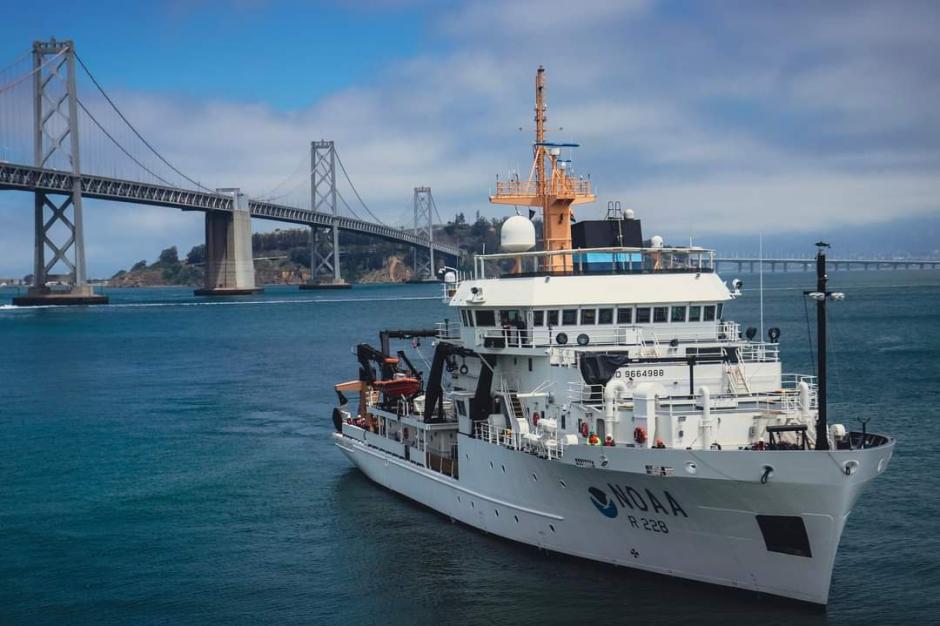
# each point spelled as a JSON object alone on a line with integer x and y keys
{"x": 557, "y": 186}
{"x": 759, "y": 352}
{"x": 656, "y": 338}
{"x": 583, "y": 393}
{"x": 544, "y": 444}
{"x": 448, "y": 329}
{"x": 579, "y": 261}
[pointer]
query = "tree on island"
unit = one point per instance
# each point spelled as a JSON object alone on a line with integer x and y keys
{"x": 169, "y": 257}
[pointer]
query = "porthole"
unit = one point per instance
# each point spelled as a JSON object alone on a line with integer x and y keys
{"x": 563, "y": 484}
{"x": 496, "y": 511}
{"x": 552, "y": 526}
{"x": 491, "y": 465}
{"x": 503, "y": 468}
{"x": 516, "y": 518}
{"x": 467, "y": 456}
{"x": 535, "y": 478}
{"x": 458, "y": 499}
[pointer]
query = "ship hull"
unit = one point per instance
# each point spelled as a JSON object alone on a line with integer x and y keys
{"x": 720, "y": 524}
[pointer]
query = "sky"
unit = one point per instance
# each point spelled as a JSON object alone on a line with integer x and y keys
{"x": 706, "y": 118}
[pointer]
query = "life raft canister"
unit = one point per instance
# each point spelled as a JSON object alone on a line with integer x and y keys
{"x": 584, "y": 429}
{"x": 594, "y": 440}
{"x": 639, "y": 434}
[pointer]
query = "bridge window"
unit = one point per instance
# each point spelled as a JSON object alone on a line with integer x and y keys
{"x": 569, "y": 317}
{"x": 720, "y": 307}
{"x": 511, "y": 317}
{"x": 605, "y": 316}
{"x": 538, "y": 318}
{"x": 486, "y": 318}
{"x": 695, "y": 313}
{"x": 709, "y": 313}
{"x": 660, "y": 314}
{"x": 553, "y": 318}
{"x": 678, "y": 314}
{"x": 643, "y": 315}
{"x": 624, "y": 316}
{"x": 588, "y": 317}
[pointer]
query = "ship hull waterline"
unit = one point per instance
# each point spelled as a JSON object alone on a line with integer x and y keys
{"x": 699, "y": 526}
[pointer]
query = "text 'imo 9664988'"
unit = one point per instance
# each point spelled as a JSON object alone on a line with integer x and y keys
{"x": 592, "y": 400}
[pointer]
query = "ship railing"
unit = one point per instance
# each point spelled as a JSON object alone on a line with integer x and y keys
{"x": 759, "y": 352}
{"x": 544, "y": 444}
{"x": 583, "y": 393}
{"x": 371, "y": 397}
{"x": 557, "y": 186}
{"x": 448, "y": 329}
{"x": 595, "y": 261}
{"x": 651, "y": 337}
{"x": 449, "y": 287}
{"x": 498, "y": 435}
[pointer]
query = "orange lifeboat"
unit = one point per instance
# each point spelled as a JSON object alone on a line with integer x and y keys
{"x": 398, "y": 387}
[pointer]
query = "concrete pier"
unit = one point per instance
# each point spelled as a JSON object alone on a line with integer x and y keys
{"x": 230, "y": 269}
{"x": 45, "y": 296}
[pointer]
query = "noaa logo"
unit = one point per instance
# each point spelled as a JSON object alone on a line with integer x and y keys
{"x": 604, "y": 504}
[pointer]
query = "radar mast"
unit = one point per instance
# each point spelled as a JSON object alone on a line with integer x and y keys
{"x": 550, "y": 186}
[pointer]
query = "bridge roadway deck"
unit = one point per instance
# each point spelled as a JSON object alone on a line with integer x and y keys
{"x": 27, "y": 178}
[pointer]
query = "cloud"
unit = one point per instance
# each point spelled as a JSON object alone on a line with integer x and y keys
{"x": 731, "y": 116}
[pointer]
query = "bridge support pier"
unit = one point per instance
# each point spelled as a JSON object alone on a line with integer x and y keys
{"x": 324, "y": 242}
{"x": 55, "y": 144}
{"x": 230, "y": 269}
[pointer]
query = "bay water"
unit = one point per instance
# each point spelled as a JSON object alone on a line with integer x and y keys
{"x": 167, "y": 458}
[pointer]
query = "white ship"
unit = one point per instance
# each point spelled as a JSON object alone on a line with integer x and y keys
{"x": 592, "y": 400}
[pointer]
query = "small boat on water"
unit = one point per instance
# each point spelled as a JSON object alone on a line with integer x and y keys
{"x": 591, "y": 399}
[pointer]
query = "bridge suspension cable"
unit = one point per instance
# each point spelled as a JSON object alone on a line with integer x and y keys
{"x": 16, "y": 61}
{"x": 346, "y": 204}
{"x": 133, "y": 129}
{"x": 272, "y": 194}
{"x": 434, "y": 206}
{"x": 16, "y": 81}
{"x": 361, "y": 201}
{"x": 120, "y": 147}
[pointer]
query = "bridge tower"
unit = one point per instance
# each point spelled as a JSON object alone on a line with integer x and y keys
{"x": 324, "y": 241}
{"x": 424, "y": 227}
{"x": 58, "y": 223}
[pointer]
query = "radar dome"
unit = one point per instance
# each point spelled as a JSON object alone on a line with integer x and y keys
{"x": 517, "y": 234}
{"x": 629, "y": 213}
{"x": 656, "y": 241}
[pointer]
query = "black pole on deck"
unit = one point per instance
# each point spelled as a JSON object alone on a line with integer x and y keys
{"x": 821, "y": 296}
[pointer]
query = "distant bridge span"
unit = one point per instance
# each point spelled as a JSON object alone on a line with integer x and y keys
{"x": 28, "y": 178}
{"x": 753, "y": 264}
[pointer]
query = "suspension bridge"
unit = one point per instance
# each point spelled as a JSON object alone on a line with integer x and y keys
{"x": 42, "y": 118}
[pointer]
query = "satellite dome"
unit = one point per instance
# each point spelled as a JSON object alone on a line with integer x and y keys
{"x": 656, "y": 241}
{"x": 517, "y": 234}
{"x": 629, "y": 214}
